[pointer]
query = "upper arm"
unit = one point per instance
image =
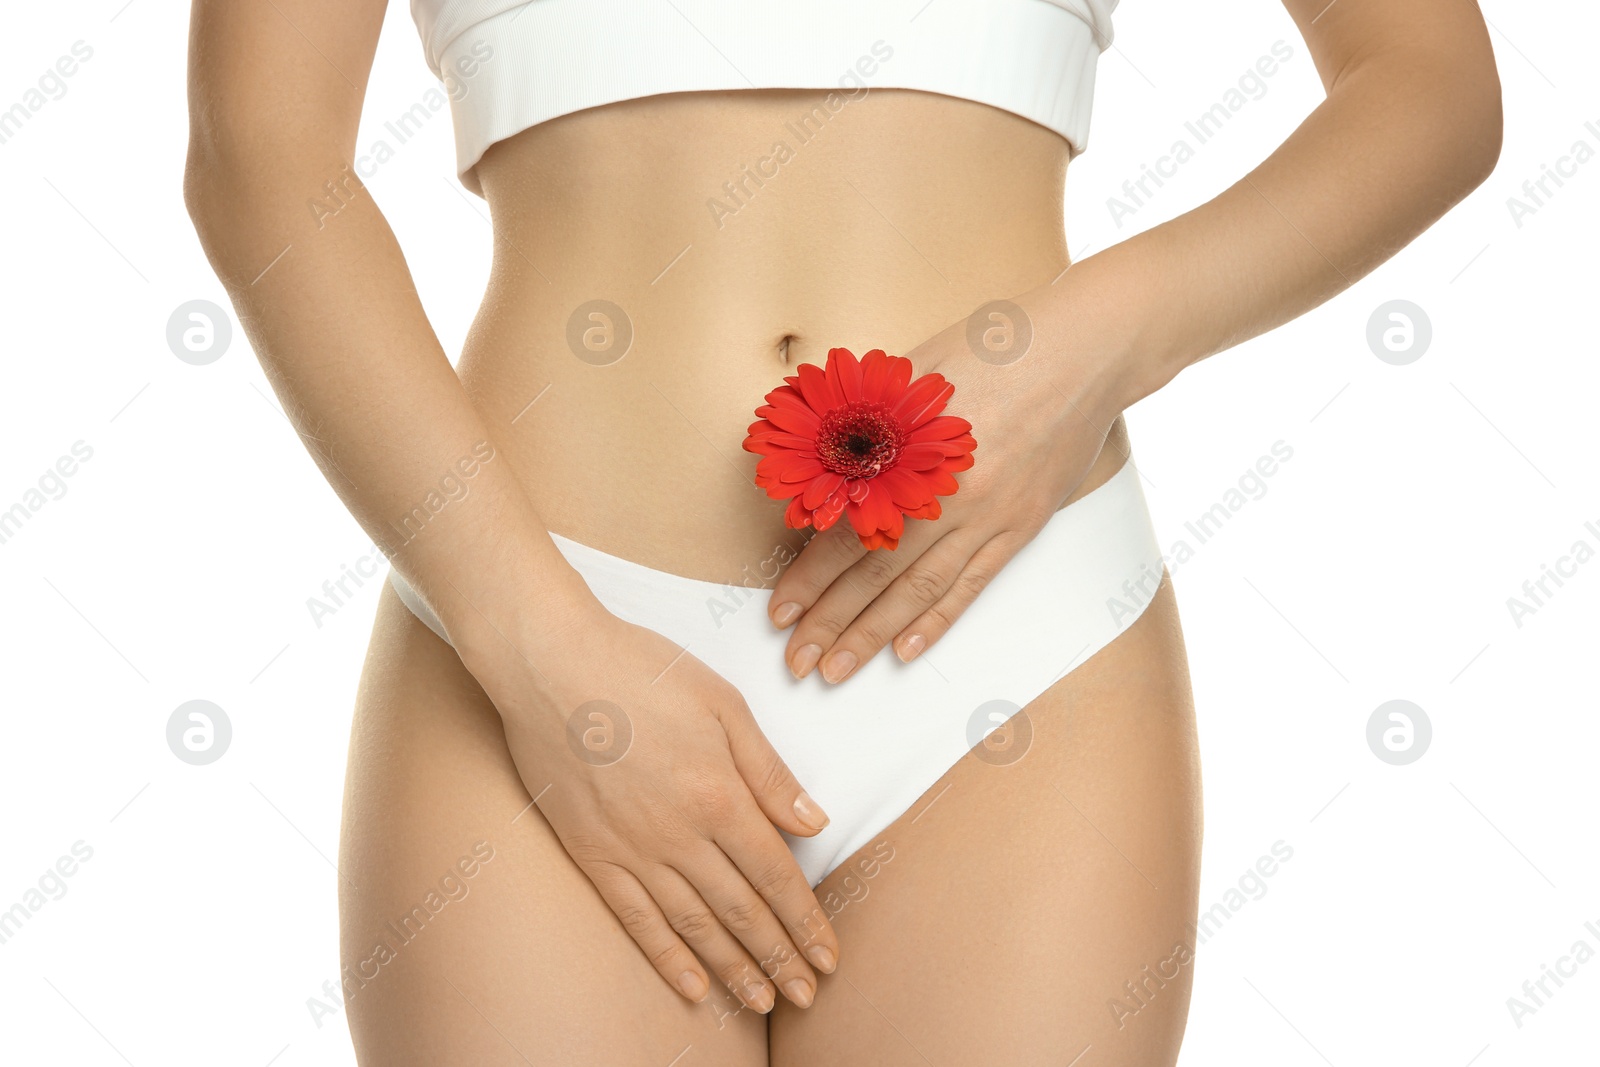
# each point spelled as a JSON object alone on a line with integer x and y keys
{"x": 1343, "y": 35}
{"x": 272, "y": 78}
{"x": 1436, "y": 52}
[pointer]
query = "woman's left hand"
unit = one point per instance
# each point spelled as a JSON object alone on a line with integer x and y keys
{"x": 1040, "y": 420}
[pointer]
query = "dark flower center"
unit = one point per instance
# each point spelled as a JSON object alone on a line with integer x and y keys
{"x": 859, "y": 440}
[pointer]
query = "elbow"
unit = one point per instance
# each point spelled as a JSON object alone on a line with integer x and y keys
{"x": 203, "y": 178}
{"x": 224, "y": 189}
{"x": 1440, "y": 114}
{"x": 223, "y": 137}
{"x": 227, "y": 197}
{"x": 1468, "y": 118}
{"x": 233, "y": 173}
{"x": 235, "y": 198}
{"x": 1449, "y": 142}
{"x": 245, "y": 183}
{"x": 194, "y": 197}
{"x": 207, "y": 140}
{"x": 1482, "y": 127}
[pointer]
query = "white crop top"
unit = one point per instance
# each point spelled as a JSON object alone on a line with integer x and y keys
{"x": 511, "y": 64}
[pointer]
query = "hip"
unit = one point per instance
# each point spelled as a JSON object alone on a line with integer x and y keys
{"x": 869, "y": 748}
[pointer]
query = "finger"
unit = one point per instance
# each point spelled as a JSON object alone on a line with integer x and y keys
{"x": 697, "y": 923}
{"x": 855, "y": 591}
{"x": 854, "y": 587}
{"x": 775, "y": 789}
{"x": 919, "y": 587}
{"x": 769, "y": 867}
{"x": 936, "y": 621}
{"x": 746, "y": 914}
{"x": 645, "y": 922}
{"x": 825, "y": 557}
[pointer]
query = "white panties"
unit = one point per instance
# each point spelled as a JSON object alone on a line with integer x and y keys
{"x": 867, "y": 748}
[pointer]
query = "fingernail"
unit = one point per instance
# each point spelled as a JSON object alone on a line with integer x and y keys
{"x": 785, "y": 614}
{"x": 839, "y": 664}
{"x": 798, "y": 991}
{"x": 805, "y": 659}
{"x": 910, "y": 647}
{"x": 692, "y": 985}
{"x": 821, "y": 957}
{"x": 761, "y": 999}
{"x": 809, "y": 813}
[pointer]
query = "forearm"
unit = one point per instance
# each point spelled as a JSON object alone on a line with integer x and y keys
{"x": 1397, "y": 142}
{"x": 331, "y": 311}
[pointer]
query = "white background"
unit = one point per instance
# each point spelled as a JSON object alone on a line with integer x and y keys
{"x": 1376, "y": 566}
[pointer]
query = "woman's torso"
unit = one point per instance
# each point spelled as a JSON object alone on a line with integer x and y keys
{"x": 733, "y": 235}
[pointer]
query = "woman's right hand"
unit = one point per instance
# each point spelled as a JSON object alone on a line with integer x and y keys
{"x": 661, "y": 786}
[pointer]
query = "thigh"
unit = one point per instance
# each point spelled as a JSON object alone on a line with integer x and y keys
{"x": 1024, "y": 912}
{"x": 467, "y": 934}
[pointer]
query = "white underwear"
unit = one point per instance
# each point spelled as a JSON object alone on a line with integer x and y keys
{"x": 868, "y": 748}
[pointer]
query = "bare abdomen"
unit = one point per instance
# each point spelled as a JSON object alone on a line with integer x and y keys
{"x": 661, "y": 264}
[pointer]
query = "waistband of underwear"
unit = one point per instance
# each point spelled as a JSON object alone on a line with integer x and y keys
{"x": 1118, "y": 504}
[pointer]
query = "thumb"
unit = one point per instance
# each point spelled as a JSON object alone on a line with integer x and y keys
{"x": 776, "y": 790}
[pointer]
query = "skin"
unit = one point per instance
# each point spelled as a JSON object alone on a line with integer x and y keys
{"x": 1012, "y": 906}
{"x": 1414, "y": 84}
{"x": 610, "y": 888}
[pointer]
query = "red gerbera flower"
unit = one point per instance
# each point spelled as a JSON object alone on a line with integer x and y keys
{"x": 860, "y": 438}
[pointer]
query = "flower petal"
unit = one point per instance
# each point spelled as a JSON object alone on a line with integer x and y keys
{"x": 957, "y": 446}
{"x": 874, "y": 510}
{"x": 845, "y": 371}
{"x": 818, "y": 390}
{"x": 940, "y": 428}
{"x": 908, "y": 489}
{"x": 922, "y": 457}
{"x": 942, "y": 481}
{"x": 781, "y": 441}
{"x": 803, "y": 467}
{"x": 787, "y": 467}
{"x": 764, "y": 437}
{"x": 821, "y": 488}
{"x": 875, "y": 371}
{"x": 923, "y": 400}
{"x": 828, "y": 514}
{"x": 789, "y": 412}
